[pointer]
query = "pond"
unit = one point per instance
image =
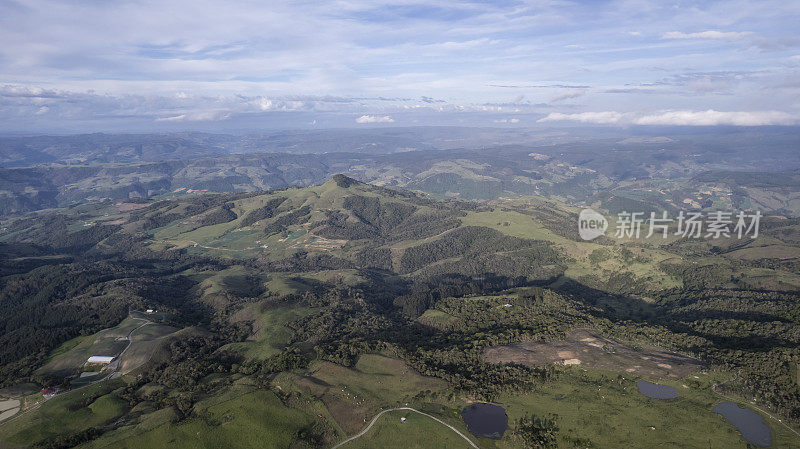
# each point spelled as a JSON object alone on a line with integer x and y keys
{"x": 748, "y": 422}
{"x": 656, "y": 391}
{"x": 485, "y": 420}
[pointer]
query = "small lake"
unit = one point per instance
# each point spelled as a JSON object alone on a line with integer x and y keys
{"x": 485, "y": 420}
{"x": 748, "y": 422}
{"x": 656, "y": 391}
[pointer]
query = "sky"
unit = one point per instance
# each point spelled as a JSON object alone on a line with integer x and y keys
{"x": 85, "y": 66}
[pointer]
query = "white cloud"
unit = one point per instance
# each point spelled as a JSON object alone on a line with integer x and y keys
{"x": 567, "y": 95}
{"x": 374, "y": 119}
{"x": 605, "y": 117}
{"x": 199, "y": 116}
{"x": 507, "y": 120}
{"x": 680, "y": 118}
{"x": 714, "y": 118}
{"x": 711, "y": 34}
{"x": 174, "y": 118}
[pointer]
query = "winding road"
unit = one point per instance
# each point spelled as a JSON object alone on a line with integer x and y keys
{"x": 114, "y": 366}
{"x": 360, "y": 434}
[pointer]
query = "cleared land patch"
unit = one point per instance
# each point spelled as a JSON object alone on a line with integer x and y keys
{"x": 69, "y": 358}
{"x": 8, "y": 408}
{"x": 144, "y": 342}
{"x": 586, "y": 347}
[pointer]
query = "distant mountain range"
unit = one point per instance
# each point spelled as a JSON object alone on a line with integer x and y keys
{"x": 740, "y": 170}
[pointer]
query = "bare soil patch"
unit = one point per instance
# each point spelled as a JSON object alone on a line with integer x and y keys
{"x": 587, "y": 347}
{"x": 127, "y": 207}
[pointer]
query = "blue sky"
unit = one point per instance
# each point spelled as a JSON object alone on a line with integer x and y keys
{"x": 97, "y": 65}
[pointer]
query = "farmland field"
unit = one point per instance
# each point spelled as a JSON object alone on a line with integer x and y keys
{"x": 416, "y": 432}
{"x": 239, "y": 417}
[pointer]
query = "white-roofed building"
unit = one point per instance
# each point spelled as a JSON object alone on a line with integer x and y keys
{"x": 100, "y": 359}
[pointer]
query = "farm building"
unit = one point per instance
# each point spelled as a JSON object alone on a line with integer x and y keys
{"x": 100, "y": 359}
{"x": 48, "y": 393}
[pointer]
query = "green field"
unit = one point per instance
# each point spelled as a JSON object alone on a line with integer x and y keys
{"x": 596, "y": 408}
{"x": 144, "y": 342}
{"x": 607, "y": 409}
{"x": 65, "y": 414}
{"x": 417, "y": 432}
{"x": 353, "y": 396}
{"x": 241, "y": 417}
{"x": 270, "y": 331}
{"x": 512, "y": 223}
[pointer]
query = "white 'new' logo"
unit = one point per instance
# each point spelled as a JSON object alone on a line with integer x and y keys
{"x": 591, "y": 224}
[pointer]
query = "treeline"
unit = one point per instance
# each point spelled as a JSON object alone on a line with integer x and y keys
{"x": 268, "y": 210}
{"x": 219, "y": 215}
{"x": 462, "y": 242}
{"x": 162, "y": 213}
{"x": 293, "y": 217}
{"x": 755, "y": 333}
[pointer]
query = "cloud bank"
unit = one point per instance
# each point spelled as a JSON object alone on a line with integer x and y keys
{"x": 245, "y": 65}
{"x": 680, "y": 118}
{"x": 716, "y": 35}
{"x": 374, "y": 119}
{"x": 603, "y": 118}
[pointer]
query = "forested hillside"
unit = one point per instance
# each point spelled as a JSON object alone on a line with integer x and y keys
{"x": 273, "y": 293}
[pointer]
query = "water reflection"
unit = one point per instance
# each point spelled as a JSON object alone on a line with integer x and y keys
{"x": 748, "y": 422}
{"x": 656, "y": 391}
{"x": 485, "y": 420}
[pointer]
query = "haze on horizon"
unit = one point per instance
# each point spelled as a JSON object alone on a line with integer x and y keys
{"x": 83, "y": 66}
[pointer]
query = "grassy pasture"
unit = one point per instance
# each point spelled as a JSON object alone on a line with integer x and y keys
{"x": 71, "y": 355}
{"x": 271, "y": 333}
{"x": 65, "y": 414}
{"x": 240, "y": 417}
{"x": 143, "y": 344}
{"x": 354, "y": 395}
{"x": 417, "y": 432}
{"x": 513, "y": 224}
{"x": 607, "y": 409}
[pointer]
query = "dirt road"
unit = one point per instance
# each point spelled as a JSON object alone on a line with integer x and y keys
{"x": 360, "y": 434}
